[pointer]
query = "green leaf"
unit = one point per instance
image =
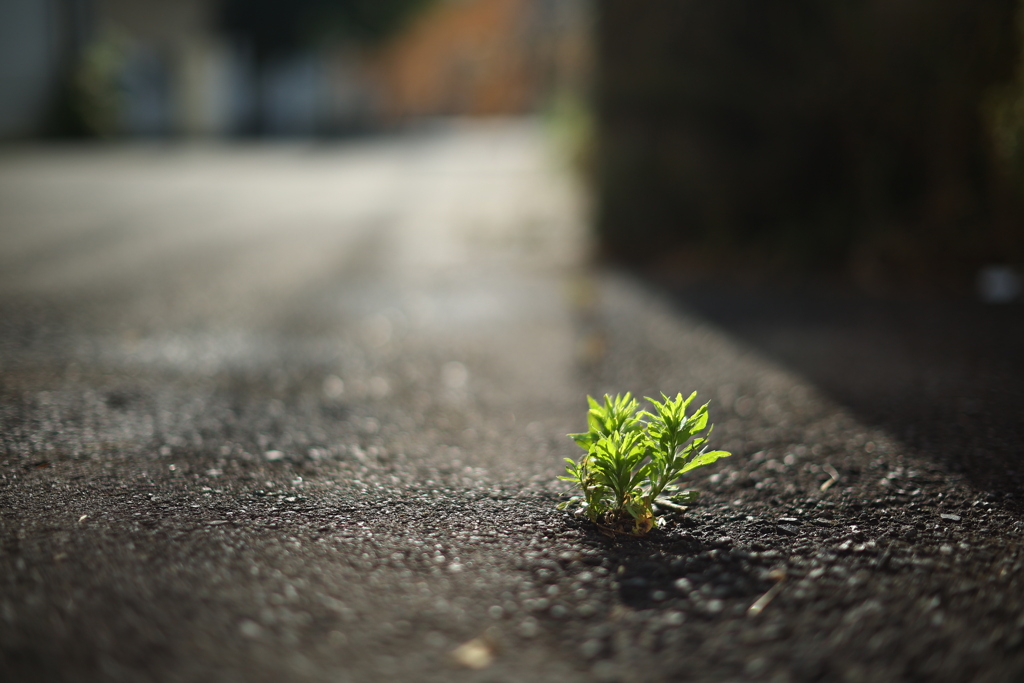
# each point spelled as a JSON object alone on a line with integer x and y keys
{"x": 699, "y": 420}
{"x": 684, "y": 497}
{"x": 582, "y": 440}
{"x": 704, "y": 459}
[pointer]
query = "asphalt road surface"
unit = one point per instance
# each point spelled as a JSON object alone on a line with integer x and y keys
{"x": 295, "y": 413}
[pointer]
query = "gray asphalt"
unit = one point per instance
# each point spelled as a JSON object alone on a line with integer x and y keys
{"x": 295, "y": 413}
{"x": 196, "y": 336}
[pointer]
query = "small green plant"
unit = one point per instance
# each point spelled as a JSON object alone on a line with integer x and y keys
{"x": 633, "y": 458}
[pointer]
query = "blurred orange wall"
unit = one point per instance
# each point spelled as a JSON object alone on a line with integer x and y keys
{"x": 464, "y": 57}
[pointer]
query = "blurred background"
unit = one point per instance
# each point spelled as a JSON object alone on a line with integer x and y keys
{"x": 876, "y": 141}
{"x": 881, "y": 143}
{"x": 216, "y": 68}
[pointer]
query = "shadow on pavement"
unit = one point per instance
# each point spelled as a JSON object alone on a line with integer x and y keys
{"x": 942, "y": 376}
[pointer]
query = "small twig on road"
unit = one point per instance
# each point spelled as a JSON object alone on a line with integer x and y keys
{"x": 833, "y": 473}
{"x": 665, "y": 503}
{"x": 780, "y": 578}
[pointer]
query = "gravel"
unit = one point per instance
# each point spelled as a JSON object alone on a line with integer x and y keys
{"x": 348, "y": 472}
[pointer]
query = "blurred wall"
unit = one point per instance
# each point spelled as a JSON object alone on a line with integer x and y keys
{"x": 841, "y": 136}
{"x": 474, "y": 57}
{"x": 173, "y": 70}
{"x": 29, "y": 65}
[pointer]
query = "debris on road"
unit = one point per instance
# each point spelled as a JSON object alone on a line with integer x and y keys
{"x": 478, "y": 653}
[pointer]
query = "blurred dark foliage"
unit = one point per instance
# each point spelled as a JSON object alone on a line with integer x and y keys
{"x": 844, "y": 136}
{"x": 274, "y": 28}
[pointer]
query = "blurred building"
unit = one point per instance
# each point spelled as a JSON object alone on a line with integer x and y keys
{"x": 159, "y": 68}
{"x": 485, "y": 57}
{"x": 30, "y": 63}
{"x": 144, "y": 67}
{"x": 169, "y": 71}
{"x": 853, "y": 137}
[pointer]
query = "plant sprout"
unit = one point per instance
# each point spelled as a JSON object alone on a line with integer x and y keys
{"x": 633, "y": 458}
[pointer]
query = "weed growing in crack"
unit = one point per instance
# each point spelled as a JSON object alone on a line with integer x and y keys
{"x": 633, "y": 458}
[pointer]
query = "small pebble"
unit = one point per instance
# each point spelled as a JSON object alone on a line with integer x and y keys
{"x": 683, "y": 585}
{"x": 675, "y": 618}
{"x": 529, "y": 628}
{"x": 250, "y": 629}
{"x": 591, "y": 648}
{"x": 475, "y": 654}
